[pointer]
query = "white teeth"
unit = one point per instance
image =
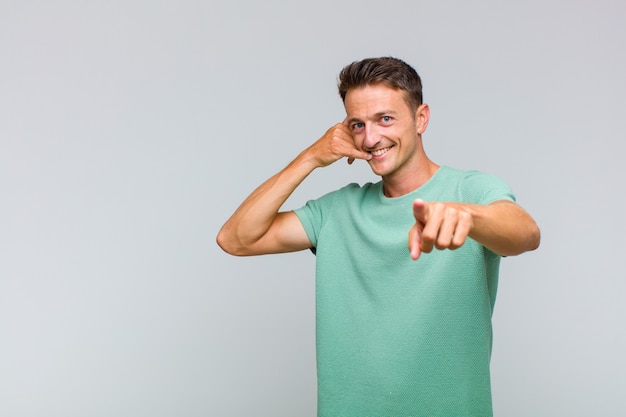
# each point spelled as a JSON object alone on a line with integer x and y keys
{"x": 379, "y": 152}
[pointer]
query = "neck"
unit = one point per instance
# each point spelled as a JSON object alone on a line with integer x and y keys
{"x": 409, "y": 180}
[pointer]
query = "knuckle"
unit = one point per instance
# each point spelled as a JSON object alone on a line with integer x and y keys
{"x": 335, "y": 147}
{"x": 438, "y": 207}
{"x": 451, "y": 212}
{"x": 428, "y": 236}
{"x": 442, "y": 243}
{"x": 457, "y": 241}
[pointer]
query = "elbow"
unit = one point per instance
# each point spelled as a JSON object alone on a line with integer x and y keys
{"x": 531, "y": 237}
{"x": 530, "y": 243}
{"x": 227, "y": 244}
{"x": 232, "y": 244}
{"x": 526, "y": 242}
{"x": 222, "y": 242}
{"x": 535, "y": 238}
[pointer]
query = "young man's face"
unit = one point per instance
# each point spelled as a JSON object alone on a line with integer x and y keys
{"x": 383, "y": 124}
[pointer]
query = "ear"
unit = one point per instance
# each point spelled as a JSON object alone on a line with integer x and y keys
{"x": 422, "y": 116}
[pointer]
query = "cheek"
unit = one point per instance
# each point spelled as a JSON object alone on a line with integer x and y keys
{"x": 357, "y": 138}
{"x": 408, "y": 132}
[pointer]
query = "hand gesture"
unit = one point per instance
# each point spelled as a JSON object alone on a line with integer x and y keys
{"x": 438, "y": 225}
{"x": 335, "y": 144}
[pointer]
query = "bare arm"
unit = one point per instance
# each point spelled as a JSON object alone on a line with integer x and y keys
{"x": 257, "y": 227}
{"x": 502, "y": 226}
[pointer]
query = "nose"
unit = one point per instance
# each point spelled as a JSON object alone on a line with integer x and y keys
{"x": 371, "y": 137}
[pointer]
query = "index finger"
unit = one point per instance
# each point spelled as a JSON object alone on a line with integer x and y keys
{"x": 420, "y": 210}
{"x": 415, "y": 242}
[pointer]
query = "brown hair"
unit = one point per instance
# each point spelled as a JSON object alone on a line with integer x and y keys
{"x": 389, "y": 71}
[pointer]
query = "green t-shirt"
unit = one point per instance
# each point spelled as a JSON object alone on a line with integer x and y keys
{"x": 397, "y": 337}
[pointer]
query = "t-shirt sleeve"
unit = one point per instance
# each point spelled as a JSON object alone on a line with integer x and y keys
{"x": 314, "y": 214}
{"x": 310, "y": 217}
{"x": 481, "y": 188}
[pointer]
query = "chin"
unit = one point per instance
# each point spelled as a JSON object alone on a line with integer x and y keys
{"x": 379, "y": 170}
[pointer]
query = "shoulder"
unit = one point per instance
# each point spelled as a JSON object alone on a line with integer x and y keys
{"x": 315, "y": 214}
{"x": 477, "y": 186}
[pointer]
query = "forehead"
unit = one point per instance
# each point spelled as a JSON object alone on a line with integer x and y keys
{"x": 375, "y": 98}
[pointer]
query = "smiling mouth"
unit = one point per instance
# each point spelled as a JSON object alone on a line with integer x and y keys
{"x": 381, "y": 151}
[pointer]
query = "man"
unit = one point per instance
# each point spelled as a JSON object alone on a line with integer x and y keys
{"x": 403, "y": 325}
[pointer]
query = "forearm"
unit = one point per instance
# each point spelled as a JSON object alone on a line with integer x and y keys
{"x": 254, "y": 217}
{"x": 504, "y": 227}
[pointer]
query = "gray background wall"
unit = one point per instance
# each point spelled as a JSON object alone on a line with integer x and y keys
{"x": 130, "y": 130}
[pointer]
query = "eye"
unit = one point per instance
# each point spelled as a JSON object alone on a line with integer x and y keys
{"x": 357, "y": 126}
{"x": 386, "y": 119}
